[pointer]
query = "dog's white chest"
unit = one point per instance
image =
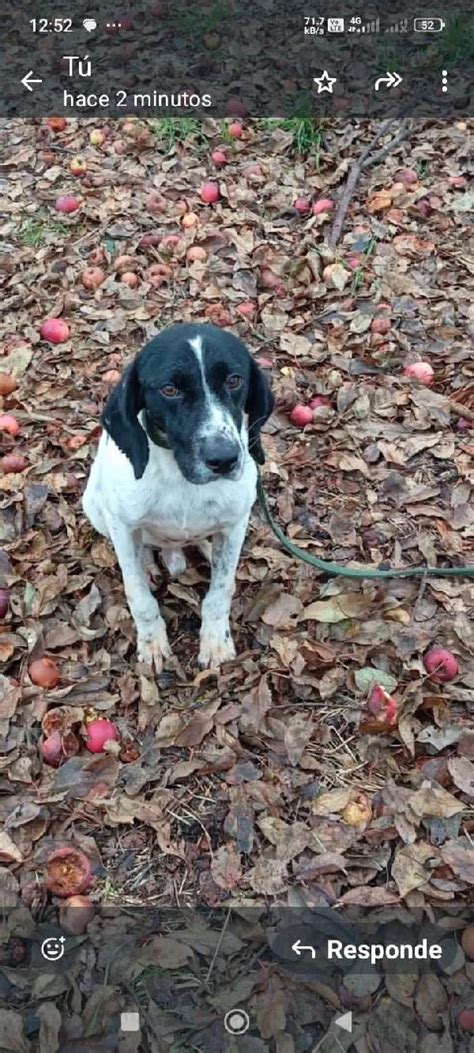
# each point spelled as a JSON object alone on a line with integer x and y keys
{"x": 182, "y": 512}
{"x": 164, "y": 505}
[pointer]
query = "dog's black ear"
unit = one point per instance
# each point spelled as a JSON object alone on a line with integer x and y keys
{"x": 121, "y": 421}
{"x": 259, "y": 406}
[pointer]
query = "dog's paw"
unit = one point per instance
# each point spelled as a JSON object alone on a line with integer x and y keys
{"x": 217, "y": 647}
{"x": 152, "y": 645}
{"x": 174, "y": 561}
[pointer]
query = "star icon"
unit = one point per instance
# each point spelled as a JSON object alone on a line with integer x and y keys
{"x": 325, "y": 82}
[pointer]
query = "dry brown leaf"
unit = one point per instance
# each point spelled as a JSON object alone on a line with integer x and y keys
{"x": 226, "y": 869}
{"x": 411, "y": 868}
{"x": 332, "y": 802}
{"x": 462, "y": 773}
{"x": 297, "y": 736}
{"x": 268, "y": 877}
{"x": 434, "y": 801}
{"x": 283, "y": 612}
{"x": 460, "y": 857}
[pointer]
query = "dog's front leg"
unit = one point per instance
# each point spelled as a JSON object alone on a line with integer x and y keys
{"x": 152, "y": 641}
{"x": 216, "y": 641}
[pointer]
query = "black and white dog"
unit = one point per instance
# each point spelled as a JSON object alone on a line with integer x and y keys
{"x": 175, "y": 465}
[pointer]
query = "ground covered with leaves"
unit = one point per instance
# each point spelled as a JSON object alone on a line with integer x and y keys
{"x": 275, "y": 781}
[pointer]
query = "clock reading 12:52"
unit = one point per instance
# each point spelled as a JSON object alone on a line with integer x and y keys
{"x": 51, "y": 25}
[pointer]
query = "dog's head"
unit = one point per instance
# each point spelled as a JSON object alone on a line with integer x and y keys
{"x": 194, "y": 384}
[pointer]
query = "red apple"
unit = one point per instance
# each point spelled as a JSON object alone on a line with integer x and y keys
{"x": 156, "y": 202}
{"x": 189, "y": 220}
{"x": 12, "y": 463}
{"x": 302, "y": 205}
{"x": 301, "y": 415}
{"x": 58, "y": 748}
{"x": 99, "y": 732}
{"x": 92, "y": 277}
{"x": 407, "y": 176}
{"x": 318, "y": 401}
{"x": 44, "y": 673}
{"x": 172, "y": 244}
{"x": 441, "y": 664}
{"x": 8, "y": 383}
{"x": 54, "y": 330}
{"x": 247, "y": 309}
{"x": 422, "y": 371}
{"x": 235, "y": 130}
{"x": 129, "y": 278}
{"x": 158, "y": 273}
{"x": 75, "y": 914}
{"x": 66, "y": 203}
{"x": 57, "y": 124}
{"x": 196, "y": 253}
{"x": 77, "y": 166}
{"x": 323, "y": 205}
{"x": 68, "y": 872}
{"x": 9, "y": 424}
{"x": 381, "y": 325}
{"x": 381, "y": 705}
{"x": 210, "y": 193}
{"x": 97, "y": 137}
{"x": 219, "y": 158}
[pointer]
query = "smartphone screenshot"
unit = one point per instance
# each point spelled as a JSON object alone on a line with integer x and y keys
{"x": 236, "y": 527}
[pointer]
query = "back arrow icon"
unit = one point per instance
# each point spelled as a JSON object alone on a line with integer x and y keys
{"x": 392, "y": 80}
{"x": 28, "y": 80}
{"x": 298, "y": 947}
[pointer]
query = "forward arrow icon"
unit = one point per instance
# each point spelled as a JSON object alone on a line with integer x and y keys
{"x": 391, "y": 80}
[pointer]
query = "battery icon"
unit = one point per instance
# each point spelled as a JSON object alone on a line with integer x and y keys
{"x": 429, "y": 25}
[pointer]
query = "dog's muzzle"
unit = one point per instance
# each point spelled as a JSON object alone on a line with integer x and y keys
{"x": 221, "y": 454}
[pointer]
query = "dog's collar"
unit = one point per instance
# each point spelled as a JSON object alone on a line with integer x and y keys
{"x": 155, "y": 434}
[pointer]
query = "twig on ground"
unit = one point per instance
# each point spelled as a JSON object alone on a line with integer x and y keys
{"x": 365, "y": 160}
{"x": 218, "y": 946}
{"x": 421, "y": 592}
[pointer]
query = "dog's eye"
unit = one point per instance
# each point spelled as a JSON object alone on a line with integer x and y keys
{"x": 233, "y": 382}
{"x": 169, "y": 391}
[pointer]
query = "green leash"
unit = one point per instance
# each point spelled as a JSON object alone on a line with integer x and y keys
{"x": 333, "y": 569}
{"x": 338, "y": 570}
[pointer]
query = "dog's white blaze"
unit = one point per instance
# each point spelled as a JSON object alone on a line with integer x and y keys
{"x": 218, "y": 421}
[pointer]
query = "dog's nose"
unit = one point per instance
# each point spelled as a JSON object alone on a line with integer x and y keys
{"x": 221, "y": 455}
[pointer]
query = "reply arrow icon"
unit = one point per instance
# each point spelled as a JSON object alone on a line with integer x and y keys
{"x": 298, "y": 947}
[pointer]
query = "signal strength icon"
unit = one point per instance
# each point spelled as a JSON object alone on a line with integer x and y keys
{"x": 398, "y": 27}
{"x": 369, "y": 27}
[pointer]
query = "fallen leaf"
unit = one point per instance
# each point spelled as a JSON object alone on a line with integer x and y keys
{"x": 165, "y": 952}
{"x": 369, "y": 676}
{"x": 332, "y": 802}
{"x": 460, "y": 857}
{"x": 283, "y": 612}
{"x": 9, "y": 853}
{"x": 12, "y": 1035}
{"x": 226, "y": 869}
{"x": 462, "y": 773}
{"x": 410, "y": 868}
{"x": 297, "y": 736}
{"x": 337, "y": 608}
